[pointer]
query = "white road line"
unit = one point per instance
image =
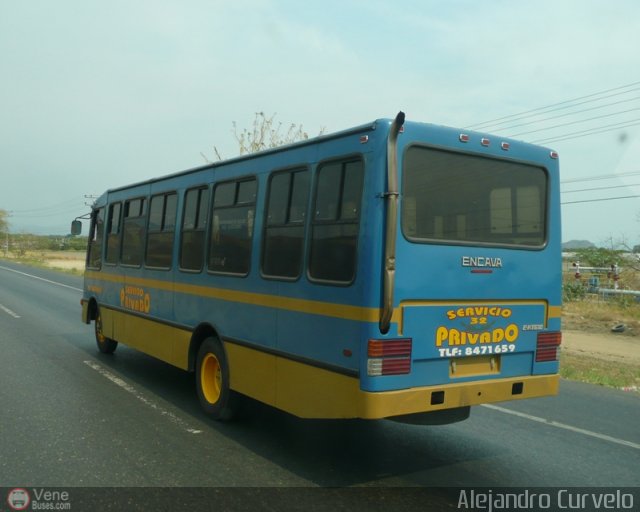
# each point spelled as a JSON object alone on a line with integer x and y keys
{"x": 9, "y": 312}
{"x": 41, "y": 279}
{"x": 564, "y": 426}
{"x": 149, "y": 403}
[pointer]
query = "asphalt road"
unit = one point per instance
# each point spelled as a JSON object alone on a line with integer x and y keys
{"x": 70, "y": 416}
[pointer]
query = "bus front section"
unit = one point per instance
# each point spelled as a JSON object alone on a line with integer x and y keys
{"x": 476, "y": 291}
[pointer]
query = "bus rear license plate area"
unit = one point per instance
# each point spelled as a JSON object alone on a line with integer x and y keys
{"x": 472, "y": 366}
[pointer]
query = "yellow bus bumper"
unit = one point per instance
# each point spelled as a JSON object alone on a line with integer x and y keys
{"x": 411, "y": 401}
{"x": 310, "y": 392}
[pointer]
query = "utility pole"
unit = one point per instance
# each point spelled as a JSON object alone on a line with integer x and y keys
{"x": 6, "y": 241}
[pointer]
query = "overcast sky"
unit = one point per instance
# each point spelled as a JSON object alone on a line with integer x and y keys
{"x": 100, "y": 94}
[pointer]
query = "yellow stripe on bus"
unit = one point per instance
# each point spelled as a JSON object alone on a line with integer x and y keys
{"x": 550, "y": 311}
{"x": 554, "y": 312}
{"x": 330, "y": 309}
{"x": 314, "y": 307}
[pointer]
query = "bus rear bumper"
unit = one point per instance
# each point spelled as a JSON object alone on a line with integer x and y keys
{"x": 307, "y": 391}
{"x": 434, "y": 398}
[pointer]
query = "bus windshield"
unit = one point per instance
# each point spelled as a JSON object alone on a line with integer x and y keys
{"x": 460, "y": 198}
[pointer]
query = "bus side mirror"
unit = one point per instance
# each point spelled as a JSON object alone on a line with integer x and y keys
{"x": 76, "y": 227}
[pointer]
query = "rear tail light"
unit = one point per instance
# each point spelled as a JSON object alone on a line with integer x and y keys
{"x": 547, "y": 346}
{"x": 389, "y": 357}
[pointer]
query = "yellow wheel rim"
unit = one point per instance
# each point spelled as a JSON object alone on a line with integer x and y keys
{"x": 101, "y": 337}
{"x": 211, "y": 378}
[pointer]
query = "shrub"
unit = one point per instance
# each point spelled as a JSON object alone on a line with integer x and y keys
{"x": 573, "y": 291}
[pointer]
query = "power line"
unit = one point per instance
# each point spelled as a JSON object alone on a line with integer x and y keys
{"x": 528, "y": 113}
{"x": 599, "y": 188}
{"x": 599, "y": 200}
{"x": 495, "y": 127}
{"x": 591, "y": 131}
{"x": 578, "y": 122}
{"x": 533, "y": 116}
{"x": 601, "y": 177}
{"x": 567, "y": 114}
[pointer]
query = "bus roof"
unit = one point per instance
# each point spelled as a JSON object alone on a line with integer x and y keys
{"x": 321, "y": 138}
{"x": 378, "y": 123}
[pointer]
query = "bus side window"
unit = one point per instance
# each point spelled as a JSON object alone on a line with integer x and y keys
{"x": 335, "y": 226}
{"x": 194, "y": 222}
{"x": 94, "y": 257}
{"x": 113, "y": 233}
{"x": 232, "y": 223}
{"x": 134, "y": 232}
{"x": 162, "y": 224}
{"x": 285, "y": 222}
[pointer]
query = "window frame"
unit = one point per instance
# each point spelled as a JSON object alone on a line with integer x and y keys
{"x": 343, "y": 161}
{"x": 236, "y": 204}
{"x": 93, "y": 228}
{"x": 304, "y": 224}
{"x": 149, "y": 232}
{"x": 206, "y": 188}
{"x": 117, "y": 234}
{"x": 545, "y": 221}
{"x": 145, "y": 217}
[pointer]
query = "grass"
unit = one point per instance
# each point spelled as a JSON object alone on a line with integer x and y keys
{"x": 600, "y": 371}
{"x": 598, "y": 316}
{"x": 47, "y": 260}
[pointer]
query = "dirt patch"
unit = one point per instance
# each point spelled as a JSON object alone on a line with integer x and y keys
{"x": 611, "y": 347}
{"x": 606, "y": 359}
{"x": 592, "y": 351}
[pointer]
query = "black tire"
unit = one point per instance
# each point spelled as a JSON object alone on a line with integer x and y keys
{"x": 212, "y": 382}
{"x": 105, "y": 345}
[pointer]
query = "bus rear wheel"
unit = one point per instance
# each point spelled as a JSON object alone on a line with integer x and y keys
{"x": 217, "y": 399}
{"x": 105, "y": 345}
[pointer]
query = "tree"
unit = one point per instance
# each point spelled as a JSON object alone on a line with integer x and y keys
{"x": 264, "y": 134}
{"x": 599, "y": 257}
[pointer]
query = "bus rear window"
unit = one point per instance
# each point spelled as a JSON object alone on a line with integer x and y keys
{"x": 467, "y": 199}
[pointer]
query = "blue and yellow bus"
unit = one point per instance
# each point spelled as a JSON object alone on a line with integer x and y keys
{"x": 393, "y": 270}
